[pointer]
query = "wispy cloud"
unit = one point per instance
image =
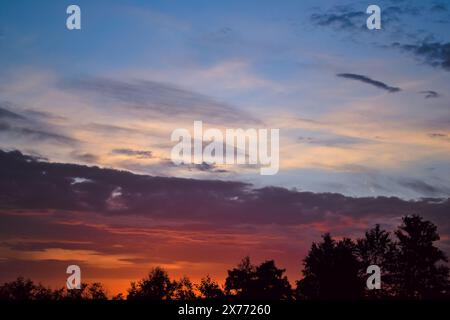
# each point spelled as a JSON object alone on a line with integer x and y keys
{"x": 140, "y": 154}
{"x": 430, "y": 94}
{"x": 340, "y": 17}
{"x": 17, "y": 126}
{"x": 151, "y": 97}
{"x": 436, "y": 54}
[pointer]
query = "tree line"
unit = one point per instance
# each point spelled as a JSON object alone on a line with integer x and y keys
{"x": 412, "y": 268}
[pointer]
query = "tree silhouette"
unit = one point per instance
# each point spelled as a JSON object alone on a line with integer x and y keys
{"x": 24, "y": 289}
{"x": 94, "y": 291}
{"x": 331, "y": 271}
{"x": 265, "y": 281}
{"x": 209, "y": 289}
{"x": 377, "y": 248}
{"x": 156, "y": 286}
{"x": 184, "y": 289}
{"x": 239, "y": 279}
{"x": 419, "y": 270}
{"x": 270, "y": 282}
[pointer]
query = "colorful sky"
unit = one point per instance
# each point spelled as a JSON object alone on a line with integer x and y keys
{"x": 364, "y": 119}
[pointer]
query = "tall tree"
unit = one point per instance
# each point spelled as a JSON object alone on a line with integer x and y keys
{"x": 238, "y": 281}
{"x": 420, "y": 270}
{"x": 331, "y": 271}
{"x": 271, "y": 283}
{"x": 377, "y": 248}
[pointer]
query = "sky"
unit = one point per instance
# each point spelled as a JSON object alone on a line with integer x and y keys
{"x": 361, "y": 113}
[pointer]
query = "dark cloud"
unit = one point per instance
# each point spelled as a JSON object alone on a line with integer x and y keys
{"x": 36, "y": 185}
{"x": 140, "y": 154}
{"x": 365, "y": 79}
{"x": 396, "y": 24}
{"x": 430, "y": 94}
{"x": 206, "y": 167}
{"x": 148, "y": 98}
{"x": 436, "y": 54}
{"x": 437, "y": 135}
{"x": 353, "y": 19}
{"x": 340, "y": 17}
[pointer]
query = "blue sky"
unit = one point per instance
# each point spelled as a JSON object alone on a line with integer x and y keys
{"x": 252, "y": 63}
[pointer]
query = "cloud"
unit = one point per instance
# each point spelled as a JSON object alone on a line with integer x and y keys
{"x": 140, "y": 154}
{"x": 36, "y": 134}
{"x": 439, "y": 7}
{"x": 110, "y": 129}
{"x": 437, "y": 135}
{"x": 5, "y": 113}
{"x": 333, "y": 140}
{"x": 205, "y": 167}
{"x": 150, "y": 98}
{"x": 48, "y": 186}
{"x": 350, "y": 18}
{"x": 16, "y": 125}
{"x": 430, "y": 94}
{"x": 440, "y": 136}
{"x": 340, "y": 17}
{"x": 85, "y": 157}
{"x": 421, "y": 187}
{"x": 365, "y": 79}
{"x": 436, "y": 54}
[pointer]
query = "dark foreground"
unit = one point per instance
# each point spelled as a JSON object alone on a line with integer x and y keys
{"x": 214, "y": 309}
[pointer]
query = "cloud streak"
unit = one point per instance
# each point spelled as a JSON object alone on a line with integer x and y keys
{"x": 430, "y": 94}
{"x": 365, "y": 79}
{"x": 140, "y": 154}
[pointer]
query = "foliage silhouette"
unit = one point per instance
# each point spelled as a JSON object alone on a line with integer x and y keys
{"x": 209, "y": 289}
{"x": 184, "y": 289}
{"x": 156, "y": 286}
{"x": 26, "y": 289}
{"x": 331, "y": 271}
{"x": 412, "y": 268}
{"x": 419, "y": 270}
{"x": 265, "y": 281}
{"x": 377, "y": 248}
